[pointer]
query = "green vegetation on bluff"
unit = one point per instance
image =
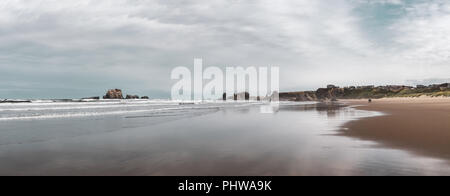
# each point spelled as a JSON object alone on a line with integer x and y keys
{"x": 368, "y": 92}
{"x": 380, "y": 93}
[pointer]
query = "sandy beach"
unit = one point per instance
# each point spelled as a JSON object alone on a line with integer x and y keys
{"x": 156, "y": 138}
{"x": 418, "y": 125}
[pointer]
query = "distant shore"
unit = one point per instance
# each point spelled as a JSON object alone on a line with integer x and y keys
{"x": 332, "y": 92}
{"x": 418, "y": 125}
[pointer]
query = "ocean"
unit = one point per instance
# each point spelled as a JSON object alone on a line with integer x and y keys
{"x": 158, "y": 137}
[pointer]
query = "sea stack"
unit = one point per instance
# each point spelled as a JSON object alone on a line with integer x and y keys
{"x": 132, "y": 97}
{"x": 247, "y": 96}
{"x": 113, "y": 94}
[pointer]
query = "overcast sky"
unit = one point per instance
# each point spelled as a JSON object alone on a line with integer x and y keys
{"x": 80, "y": 48}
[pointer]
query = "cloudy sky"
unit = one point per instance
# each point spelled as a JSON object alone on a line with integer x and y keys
{"x": 68, "y": 48}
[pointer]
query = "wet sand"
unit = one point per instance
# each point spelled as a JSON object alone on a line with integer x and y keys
{"x": 418, "y": 125}
{"x": 210, "y": 139}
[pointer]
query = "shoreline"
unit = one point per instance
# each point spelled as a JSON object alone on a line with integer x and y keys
{"x": 237, "y": 139}
{"x": 417, "y": 125}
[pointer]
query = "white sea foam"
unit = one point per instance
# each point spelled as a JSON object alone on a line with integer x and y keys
{"x": 55, "y": 102}
{"x": 90, "y": 114}
{"x": 90, "y": 106}
{"x": 48, "y": 110}
{"x": 58, "y": 110}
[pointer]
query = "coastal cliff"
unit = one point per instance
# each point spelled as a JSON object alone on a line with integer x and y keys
{"x": 332, "y": 93}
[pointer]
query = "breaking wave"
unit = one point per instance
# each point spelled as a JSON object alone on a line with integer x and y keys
{"x": 39, "y": 110}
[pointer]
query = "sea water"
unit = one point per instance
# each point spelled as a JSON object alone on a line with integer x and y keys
{"x": 157, "y": 137}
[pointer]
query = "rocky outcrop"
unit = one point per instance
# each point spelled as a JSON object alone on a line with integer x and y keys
{"x": 132, "y": 97}
{"x": 332, "y": 92}
{"x": 325, "y": 94}
{"x": 113, "y": 94}
{"x": 322, "y": 94}
{"x": 96, "y": 98}
{"x": 241, "y": 96}
{"x": 298, "y": 96}
{"x": 15, "y": 101}
{"x": 145, "y": 97}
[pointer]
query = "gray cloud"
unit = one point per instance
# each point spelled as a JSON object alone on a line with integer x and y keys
{"x": 79, "y": 48}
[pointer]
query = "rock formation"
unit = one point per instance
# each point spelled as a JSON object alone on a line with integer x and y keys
{"x": 15, "y": 101}
{"x": 145, "y": 97}
{"x": 332, "y": 92}
{"x": 298, "y": 96}
{"x": 92, "y": 98}
{"x": 324, "y": 94}
{"x": 242, "y": 96}
{"x": 113, "y": 94}
{"x": 132, "y": 97}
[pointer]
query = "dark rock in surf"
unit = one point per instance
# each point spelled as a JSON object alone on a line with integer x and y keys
{"x": 96, "y": 98}
{"x": 113, "y": 94}
{"x": 132, "y": 97}
{"x": 15, "y": 101}
{"x": 247, "y": 96}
